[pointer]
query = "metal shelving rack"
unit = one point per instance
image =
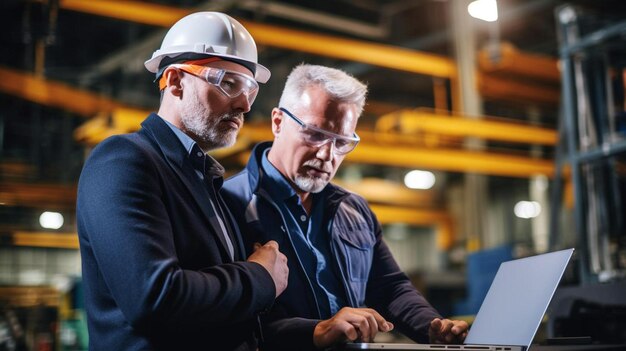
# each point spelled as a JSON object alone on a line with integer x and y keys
{"x": 592, "y": 63}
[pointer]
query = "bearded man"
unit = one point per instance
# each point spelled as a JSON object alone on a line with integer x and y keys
{"x": 162, "y": 258}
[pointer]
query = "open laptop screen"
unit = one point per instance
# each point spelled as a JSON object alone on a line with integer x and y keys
{"x": 517, "y": 300}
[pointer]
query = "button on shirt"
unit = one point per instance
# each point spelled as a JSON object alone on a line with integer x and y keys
{"x": 207, "y": 167}
{"x": 310, "y": 238}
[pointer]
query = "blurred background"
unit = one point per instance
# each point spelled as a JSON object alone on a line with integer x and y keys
{"x": 493, "y": 130}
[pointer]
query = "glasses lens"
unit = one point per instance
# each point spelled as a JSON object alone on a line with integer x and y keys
{"x": 233, "y": 84}
{"x": 344, "y": 146}
{"x": 318, "y": 138}
{"x": 313, "y": 137}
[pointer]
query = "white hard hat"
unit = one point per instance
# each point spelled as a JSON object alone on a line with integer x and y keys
{"x": 211, "y": 34}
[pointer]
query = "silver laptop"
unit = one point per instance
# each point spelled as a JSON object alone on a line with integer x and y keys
{"x": 512, "y": 310}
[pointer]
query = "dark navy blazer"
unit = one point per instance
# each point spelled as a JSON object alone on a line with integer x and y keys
{"x": 157, "y": 272}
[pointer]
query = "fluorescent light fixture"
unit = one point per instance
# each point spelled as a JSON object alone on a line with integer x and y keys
{"x": 486, "y": 10}
{"x": 419, "y": 180}
{"x": 527, "y": 209}
{"x": 51, "y": 220}
{"x": 31, "y": 277}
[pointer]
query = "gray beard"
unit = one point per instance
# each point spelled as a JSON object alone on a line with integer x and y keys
{"x": 209, "y": 135}
{"x": 310, "y": 184}
{"x": 205, "y": 130}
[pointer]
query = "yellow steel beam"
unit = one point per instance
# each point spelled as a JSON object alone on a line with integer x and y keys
{"x": 449, "y": 160}
{"x": 412, "y": 216}
{"x": 15, "y": 170}
{"x": 413, "y": 121}
{"x": 30, "y": 296}
{"x": 97, "y": 129}
{"x": 134, "y": 11}
{"x": 119, "y": 121}
{"x": 352, "y": 50}
{"x": 60, "y": 95}
{"x": 325, "y": 45}
{"x": 389, "y": 154}
{"x": 281, "y": 37}
{"x": 341, "y": 48}
{"x": 45, "y": 239}
{"x": 512, "y": 61}
{"x": 385, "y": 214}
{"x": 496, "y": 88}
{"x": 125, "y": 120}
{"x": 452, "y": 160}
{"x": 441, "y": 220}
{"x": 38, "y": 195}
{"x": 54, "y": 94}
{"x": 387, "y": 192}
{"x": 440, "y": 95}
{"x": 378, "y": 108}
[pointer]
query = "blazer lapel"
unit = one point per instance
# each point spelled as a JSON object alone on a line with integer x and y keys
{"x": 176, "y": 156}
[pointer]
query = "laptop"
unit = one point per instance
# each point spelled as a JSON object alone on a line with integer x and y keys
{"x": 512, "y": 310}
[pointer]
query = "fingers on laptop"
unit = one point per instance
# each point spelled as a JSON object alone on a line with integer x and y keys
{"x": 366, "y": 321}
{"x": 447, "y": 331}
{"x": 350, "y": 324}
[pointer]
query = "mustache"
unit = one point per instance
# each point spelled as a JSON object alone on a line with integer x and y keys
{"x": 318, "y": 164}
{"x": 232, "y": 117}
{"x": 237, "y": 116}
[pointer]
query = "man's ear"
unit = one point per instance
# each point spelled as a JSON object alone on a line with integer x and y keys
{"x": 277, "y": 119}
{"x": 173, "y": 80}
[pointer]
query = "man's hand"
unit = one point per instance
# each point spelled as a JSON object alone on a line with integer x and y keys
{"x": 274, "y": 261}
{"x": 350, "y": 324}
{"x": 445, "y": 331}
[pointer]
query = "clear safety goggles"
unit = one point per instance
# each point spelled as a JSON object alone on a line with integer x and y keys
{"x": 316, "y": 137}
{"x": 230, "y": 83}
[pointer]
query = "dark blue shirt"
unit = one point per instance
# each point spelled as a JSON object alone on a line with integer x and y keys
{"x": 310, "y": 237}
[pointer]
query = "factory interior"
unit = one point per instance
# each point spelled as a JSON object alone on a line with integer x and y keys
{"x": 482, "y": 140}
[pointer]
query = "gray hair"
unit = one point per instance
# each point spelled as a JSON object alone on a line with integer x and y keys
{"x": 341, "y": 86}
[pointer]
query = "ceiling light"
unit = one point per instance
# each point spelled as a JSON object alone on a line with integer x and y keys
{"x": 51, "y": 220}
{"x": 419, "y": 180}
{"x": 527, "y": 209}
{"x": 486, "y": 10}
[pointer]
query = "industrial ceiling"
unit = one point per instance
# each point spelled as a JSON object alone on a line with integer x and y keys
{"x": 71, "y": 73}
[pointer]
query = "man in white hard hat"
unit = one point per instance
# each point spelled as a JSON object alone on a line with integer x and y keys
{"x": 344, "y": 283}
{"x": 163, "y": 263}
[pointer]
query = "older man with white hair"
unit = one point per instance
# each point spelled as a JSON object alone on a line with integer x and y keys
{"x": 344, "y": 284}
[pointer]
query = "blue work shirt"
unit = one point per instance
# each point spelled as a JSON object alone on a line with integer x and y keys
{"x": 310, "y": 237}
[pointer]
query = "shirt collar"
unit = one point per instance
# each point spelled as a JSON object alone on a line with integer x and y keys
{"x": 211, "y": 166}
{"x": 185, "y": 139}
{"x": 277, "y": 185}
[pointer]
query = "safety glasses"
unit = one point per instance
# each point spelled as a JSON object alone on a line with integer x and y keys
{"x": 230, "y": 83}
{"x": 316, "y": 137}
